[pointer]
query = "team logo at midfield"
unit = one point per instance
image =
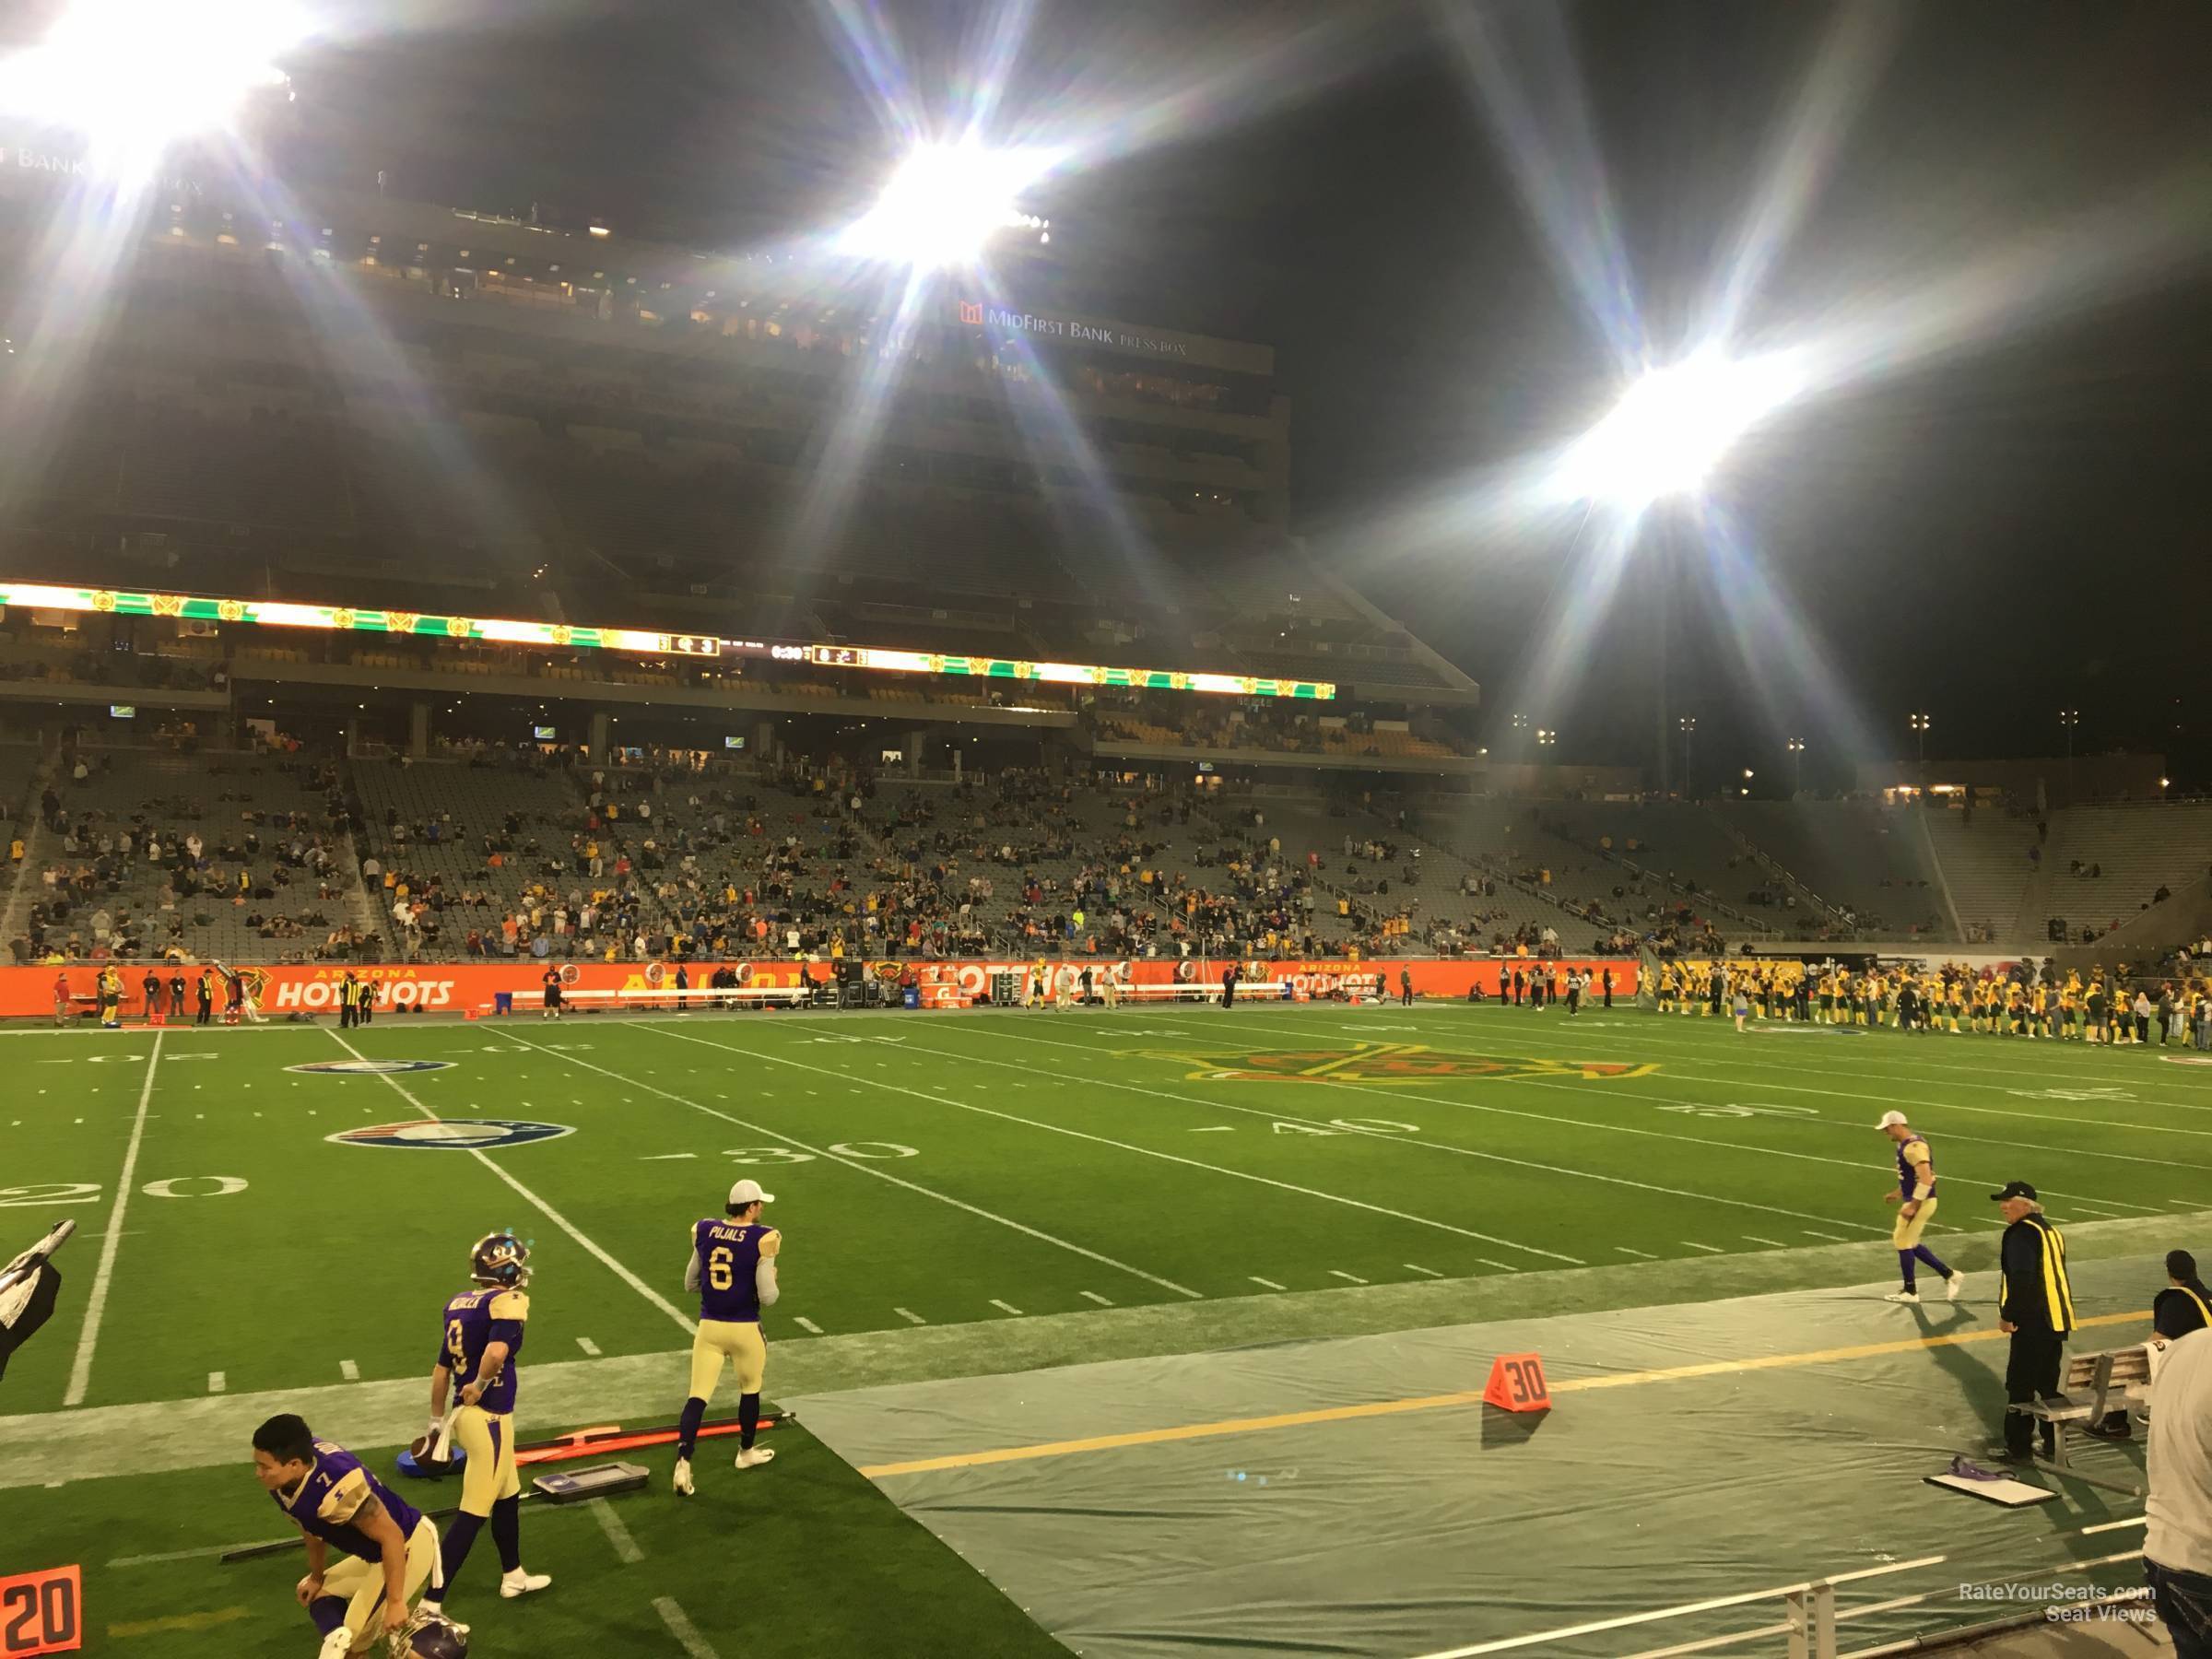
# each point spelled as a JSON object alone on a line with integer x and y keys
{"x": 370, "y": 1068}
{"x": 1391, "y": 1063}
{"x": 452, "y": 1134}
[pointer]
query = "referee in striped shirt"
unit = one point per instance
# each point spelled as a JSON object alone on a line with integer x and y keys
{"x": 2035, "y": 1308}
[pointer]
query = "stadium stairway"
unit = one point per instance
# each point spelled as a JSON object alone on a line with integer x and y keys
{"x": 1816, "y": 916}
{"x": 24, "y": 773}
{"x": 1982, "y": 861}
{"x": 1871, "y": 862}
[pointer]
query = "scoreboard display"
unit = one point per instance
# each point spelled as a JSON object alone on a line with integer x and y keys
{"x": 45, "y": 598}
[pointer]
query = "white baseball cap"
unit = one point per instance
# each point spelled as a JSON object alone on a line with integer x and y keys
{"x": 748, "y": 1192}
{"x": 1890, "y": 1120}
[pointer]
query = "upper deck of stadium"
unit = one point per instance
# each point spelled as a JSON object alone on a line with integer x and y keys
{"x": 544, "y": 419}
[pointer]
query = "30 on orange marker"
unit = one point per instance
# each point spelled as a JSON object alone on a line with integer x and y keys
{"x": 1517, "y": 1384}
{"x": 41, "y": 1612}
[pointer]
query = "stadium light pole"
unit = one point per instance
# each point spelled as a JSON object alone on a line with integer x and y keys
{"x": 1688, "y": 726}
{"x": 1796, "y": 766}
{"x": 1919, "y": 723}
{"x": 944, "y": 204}
{"x": 134, "y": 78}
{"x": 2067, "y": 720}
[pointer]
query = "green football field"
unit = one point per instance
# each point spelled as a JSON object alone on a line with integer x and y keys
{"x": 947, "y": 1185}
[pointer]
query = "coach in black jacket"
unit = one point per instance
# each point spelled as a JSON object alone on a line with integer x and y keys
{"x": 2035, "y": 1307}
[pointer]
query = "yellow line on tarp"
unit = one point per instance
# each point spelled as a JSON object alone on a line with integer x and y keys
{"x": 178, "y": 1621}
{"x": 1374, "y": 1408}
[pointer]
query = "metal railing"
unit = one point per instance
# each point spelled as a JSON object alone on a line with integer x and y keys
{"x": 1812, "y": 1613}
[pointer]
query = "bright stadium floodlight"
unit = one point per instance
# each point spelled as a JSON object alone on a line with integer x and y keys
{"x": 1672, "y": 427}
{"x": 135, "y": 76}
{"x": 945, "y": 202}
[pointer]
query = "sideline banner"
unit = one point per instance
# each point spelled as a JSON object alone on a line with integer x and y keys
{"x": 458, "y": 987}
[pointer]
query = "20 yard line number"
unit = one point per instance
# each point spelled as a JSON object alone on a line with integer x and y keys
{"x": 43, "y": 1194}
{"x": 864, "y": 1150}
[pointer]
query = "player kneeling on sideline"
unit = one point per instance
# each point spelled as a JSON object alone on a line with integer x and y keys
{"x": 732, "y": 1267}
{"x": 481, "y": 1338}
{"x": 391, "y": 1550}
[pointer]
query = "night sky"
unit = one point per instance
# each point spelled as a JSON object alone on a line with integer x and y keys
{"x": 1987, "y": 531}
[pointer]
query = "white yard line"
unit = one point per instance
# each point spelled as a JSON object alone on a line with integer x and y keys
{"x": 1287, "y": 1186}
{"x": 864, "y": 1168}
{"x": 679, "y": 1625}
{"x": 808, "y": 1324}
{"x": 626, "y": 1547}
{"x": 1269, "y": 1283}
{"x": 1415, "y": 1267}
{"x": 588, "y": 1345}
{"x": 1708, "y": 1249}
{"x": 349, "y": 1371}
{"x": 1646, "y": 1254}
{"x": 1003, "y": 1307}
{"x": 1777, "y": 1243}
{"x": 96, "y": 1303}
{"x": 1094, "y": 1295}
{"x": 1832, "y": 1238}
{"x": 1406, "y": 1140}
{"x": 1507, "y": 1267}
{"x": 913, "y": 1318}
{"x": 1616, "y": 1091}
{"x": 542, "y": 1207}
{"x": 217, "y": 1383}
{"x": 1353, "y": 1277}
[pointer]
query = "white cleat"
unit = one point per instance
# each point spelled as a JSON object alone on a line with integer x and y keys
{"x": 683, "y": 1477}
{"x": 521, "y": 1582}
{"x": 752, "y": 1457}
{"x": 1954, "y": 1287}
{"x": 1903, "y": 1296}
{"x": 337, "y": 1645}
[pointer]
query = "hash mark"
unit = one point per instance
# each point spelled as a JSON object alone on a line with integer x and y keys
{"x": 809, "y": 1324}
{"x": 217, "y": 1383}
{"x": 1340, "y": 1272}
{"x": 1502, "y": 1266}
{"x": 588, "y": 1345}
{"x": 1416, "y": 1268}
{"x": 1006, "y": 1307}
{"x": 1777, "y": 1243}
{"x": 1646, "y": 1254}
{"x": 1709, "y": 1249}
{"x": 910, "y": 1316}
{"x": 1832, "y": 1238}
{"x": 1269, "y": 1283}
{"x": 1094, "y": 1295}
{"x": 349, "y": 1371}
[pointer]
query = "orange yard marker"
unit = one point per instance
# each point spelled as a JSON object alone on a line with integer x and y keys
{"x": 1517, "y": 1384}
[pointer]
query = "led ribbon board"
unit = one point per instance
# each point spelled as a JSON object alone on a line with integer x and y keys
{"x": 421, "y": 625}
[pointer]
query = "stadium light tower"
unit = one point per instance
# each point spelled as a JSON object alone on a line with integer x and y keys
{"x": 1796, "y": 766}
{"x": 1671, "y": 428}
{"x": 1919, "y": 723}
{"x": 944, "y": 202}
{"x": 136, "y": 75}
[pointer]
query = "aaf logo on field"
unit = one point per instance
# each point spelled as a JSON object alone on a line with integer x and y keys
{"x": 1391, "y": 1063}
{"x": 368, "y": 1068}
{"x": 451, "y": 1134}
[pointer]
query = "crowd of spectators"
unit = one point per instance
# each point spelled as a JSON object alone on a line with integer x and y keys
{"x": 155, "y": 878}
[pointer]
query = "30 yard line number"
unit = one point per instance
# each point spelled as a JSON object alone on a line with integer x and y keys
{"x": 864, "y": 1150}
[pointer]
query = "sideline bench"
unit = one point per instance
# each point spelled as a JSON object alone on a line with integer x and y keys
{"x": 2093, "y": 1386}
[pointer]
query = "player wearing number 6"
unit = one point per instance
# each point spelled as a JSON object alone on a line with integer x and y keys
{"x": 1915, "y": 1199}
{"x": 732, "y": 1267}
